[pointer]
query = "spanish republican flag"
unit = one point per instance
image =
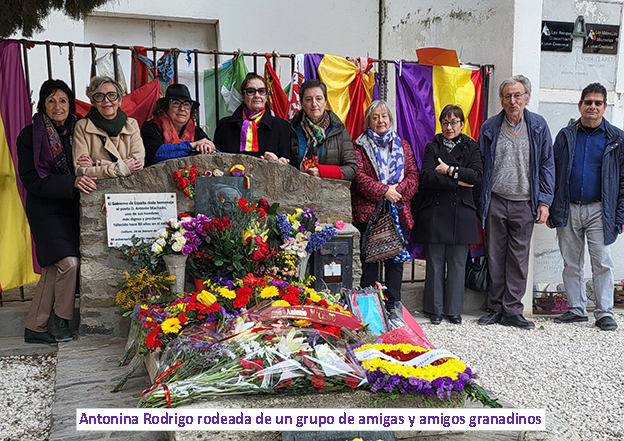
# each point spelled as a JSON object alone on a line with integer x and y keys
{"x": 423, "y": 91}
{"x": 16, "y": 245}
{"x": 350, "y": 85}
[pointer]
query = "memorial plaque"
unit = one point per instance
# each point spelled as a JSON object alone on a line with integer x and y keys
{"x": 601, "y": 39}
{"x": 137, "y": 214}
{"x": 557, "y": 36}
{"x": 208, "y": 192}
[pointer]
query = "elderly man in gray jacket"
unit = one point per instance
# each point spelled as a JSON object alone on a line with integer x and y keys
{"x": 516, "y": 191}
{"x": 589, "y": 202}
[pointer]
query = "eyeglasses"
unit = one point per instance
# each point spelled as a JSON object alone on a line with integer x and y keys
{"x": 250, "y": 91}
{"x": 515, "y": 96}
{"x": 186, "y": 105}
{"x": 453, "y": 123}
{"x": 598, "y": 103}
{"x": 99, "y": 97}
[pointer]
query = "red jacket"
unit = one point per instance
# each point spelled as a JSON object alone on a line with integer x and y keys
{"x": 367, "y": 191}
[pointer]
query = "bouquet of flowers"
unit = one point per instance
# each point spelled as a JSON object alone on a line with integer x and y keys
{"x": 257, "y": 360}
{"x": 141, "y": 286}
{"x": 181, "y": 236}
{"x": 237, "y": 240}
{"x": 185, "y": 180}
{"x": 398, "y": 369}
{"x": 302, "y": 233}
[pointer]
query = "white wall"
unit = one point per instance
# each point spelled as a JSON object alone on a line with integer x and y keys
{"x": 480, "y": 31}
{"x": 563, "y": 76}
{"x": 294, "y": 26}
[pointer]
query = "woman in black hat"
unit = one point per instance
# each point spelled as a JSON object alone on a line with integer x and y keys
{"x": 173, "y": 133}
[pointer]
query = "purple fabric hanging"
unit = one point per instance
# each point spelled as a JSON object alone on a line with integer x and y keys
{"x": 311, "y": 63}
{"x": 414, "y": 106}
{"x": 376, "y": 87}
{"x": 14, "y": 100}
{"x": 415, "y": 122}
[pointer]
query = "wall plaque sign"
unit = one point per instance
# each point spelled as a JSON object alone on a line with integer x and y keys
{"x": 601, "y": 39}
{"x": 557, "y": 36}
{"x": 137, "y": 214}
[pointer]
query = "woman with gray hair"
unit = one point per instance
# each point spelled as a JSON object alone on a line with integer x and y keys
{"x": 386, "y": 169}
{"x": 107, "y": 143}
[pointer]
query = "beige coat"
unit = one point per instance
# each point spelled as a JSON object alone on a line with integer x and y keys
{"x": 95, "y": 142}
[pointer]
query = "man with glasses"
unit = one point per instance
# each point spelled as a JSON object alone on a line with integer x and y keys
{"x": 516, "y": 192}
{"x": 588, "y": 202}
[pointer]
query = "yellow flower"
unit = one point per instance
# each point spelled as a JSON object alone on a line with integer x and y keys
{"x": 226, "y": 293}
{"x": 206, "y": 298}
{"x": 268, "y": 292}
{"x": 313, "y": 295}
{"x": 337, "y": 307}
{"x": 171, "y": 325}
{"x": 280, "y": 303}
{"x": 302, "y": 323}
{"x": 247, "y": 235}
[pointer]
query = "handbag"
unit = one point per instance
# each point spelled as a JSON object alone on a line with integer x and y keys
{"x": 477, "y": 274}
{"x": 381, "y": 239}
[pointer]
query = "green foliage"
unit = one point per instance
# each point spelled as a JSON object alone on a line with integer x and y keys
{"x": 26, "y": 16}
{"x": 140, "y": 255}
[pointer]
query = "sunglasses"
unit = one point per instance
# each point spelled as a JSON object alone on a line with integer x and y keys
{"x": 250, "y": 91}
{"x": 99, "y": 97}
{"x": 186, "y": 105}
{"x": 598, "y": 103}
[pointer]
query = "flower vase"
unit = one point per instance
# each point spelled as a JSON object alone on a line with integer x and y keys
{"x": 199, "y": 285}
{"x": 303, "y": 266}
{"x": 176, "y": 266}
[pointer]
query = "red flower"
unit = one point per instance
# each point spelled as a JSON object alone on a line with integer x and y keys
{"x": 218, "y": 224}
{"x": 263, "y": 252}
{"x": 208, "y": 227}
{"x": 153, "y": 340}
{"x": 177, "y": 175}
{"x": 242, "y": 203}
{"x": 183, "y": 319}
{"x": 262, "y": 211}
{"x": 318, "y": 383}
{"x": 352, "y": 382}
{"x": 323, "y": 303}
{"x": 264, "y": 204}
{"x": 293, "y": 300}
{"x": 242, "y": 296}
{"x": 226, "y": 222}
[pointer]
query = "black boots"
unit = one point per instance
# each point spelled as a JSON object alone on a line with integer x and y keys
{"x": 60, "y": 327}
{"x": 39, "y": 337}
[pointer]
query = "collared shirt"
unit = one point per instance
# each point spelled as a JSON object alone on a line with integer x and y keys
{"x": 586, "y": 174}
{"x": 517, "y": 126}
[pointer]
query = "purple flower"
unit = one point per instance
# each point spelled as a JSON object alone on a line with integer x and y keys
{"x": 187, "y": 249}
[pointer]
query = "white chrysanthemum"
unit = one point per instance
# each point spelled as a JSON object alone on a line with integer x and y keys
{"x": 177, "y": 247}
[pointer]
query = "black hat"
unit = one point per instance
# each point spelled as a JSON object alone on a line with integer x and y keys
{"x": 177, "y": 92}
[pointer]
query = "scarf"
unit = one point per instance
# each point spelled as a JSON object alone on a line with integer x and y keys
{"x": 390, "y": 167}
{"x": 52, "y": 146}
{"x": 170, "y": 134}
{"x": 112, "y": 127}
{"x": 451, "y": 143}
{"x": 315, "y": 137}
{"x": 249, "y": 138}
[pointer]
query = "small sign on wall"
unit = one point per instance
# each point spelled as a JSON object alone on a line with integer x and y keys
{"x": 557, "y": 36}
{"x": 601, "y": 39}
{"x": 137, "y": 214}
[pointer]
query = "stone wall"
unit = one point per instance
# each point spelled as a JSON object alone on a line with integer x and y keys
{"x": 102, "y": 267}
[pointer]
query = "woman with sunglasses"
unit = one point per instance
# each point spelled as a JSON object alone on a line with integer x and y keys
{"x": 107, "y": 143}
{"x": 252, "y": 129}
{"x": 447, "y": 220}
{"x": 173, "y": 132}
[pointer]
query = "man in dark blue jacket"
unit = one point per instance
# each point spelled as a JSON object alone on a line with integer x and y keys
{"x": 589, "y": 202}
{"x": 516, "y": 192}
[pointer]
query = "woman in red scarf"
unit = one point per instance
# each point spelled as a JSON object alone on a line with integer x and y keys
{"x": 173, "y": 132}
{"x": 44, "y": 150}
{"x": 252, "y": 129}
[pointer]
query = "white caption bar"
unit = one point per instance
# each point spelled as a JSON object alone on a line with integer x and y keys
{"x": 309, "y": 419}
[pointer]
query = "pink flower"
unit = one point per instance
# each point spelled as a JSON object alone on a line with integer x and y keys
{"x": 340, "y": 225}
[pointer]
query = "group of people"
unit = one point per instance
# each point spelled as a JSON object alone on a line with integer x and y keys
{"x": 510, "y": 180}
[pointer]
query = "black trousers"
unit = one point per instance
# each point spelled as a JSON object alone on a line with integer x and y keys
{"x": 393, "y": 272}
